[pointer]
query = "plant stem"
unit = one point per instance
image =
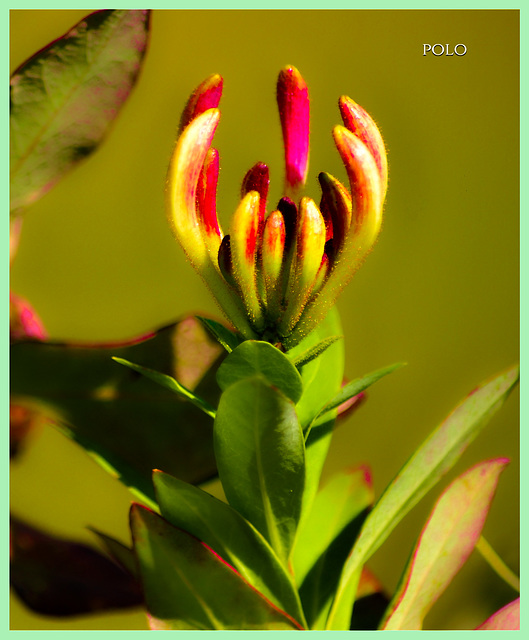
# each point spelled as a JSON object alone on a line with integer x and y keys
{"x": 497, "y": 564}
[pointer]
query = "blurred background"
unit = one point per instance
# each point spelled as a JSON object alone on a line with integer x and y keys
{"x": 440, "y": 291}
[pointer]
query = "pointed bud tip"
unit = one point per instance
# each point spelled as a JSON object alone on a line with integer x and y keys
{"x": 206, "y": 96}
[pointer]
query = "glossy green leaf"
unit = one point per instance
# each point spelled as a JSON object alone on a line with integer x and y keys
{"x": 169, "y": 383}
{"x": 326, "y": 537}
{"x": 231, "y": 536}
{"x": 315, "y": 351}
{"x": 506, "y": 619}
{"x": 256, "y": 358}
{"x": 322, "y": 377}
{"x": 188, "y": 586}
{"x": 59, "y": 577}
{"x": 64, "y": 98}
{"x": 444, "y": 545}
{"x": 120, "y": 415}
{"x": 228, "y": 339}
{"x": 428, "y": 464}
{"x": 261, "y": 459}
{"x": 358, "y": 385}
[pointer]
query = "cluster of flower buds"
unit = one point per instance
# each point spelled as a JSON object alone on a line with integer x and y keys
{"x": 276, "y": 274}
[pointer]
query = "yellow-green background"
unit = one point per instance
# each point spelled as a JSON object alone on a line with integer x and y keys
{"x": 439, "y": 291}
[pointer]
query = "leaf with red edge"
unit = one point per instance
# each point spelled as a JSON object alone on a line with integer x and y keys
{"x": 64, "y": 98}
{"x": 445, "y": 543}
{"x": 188, "y": 586}
{"x": 506, "y": 619}
{"x": 59, "y": 577}
{"x": 130, "y": 421}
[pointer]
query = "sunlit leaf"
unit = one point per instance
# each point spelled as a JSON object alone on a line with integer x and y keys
{"x": 326, "y": 537}
{"x": 230, "y": 535}
{"x": 188, "y": 586}
{"x": 64, "y": 98}
{"x": 444, "y": 545}
{"x": 428, "y": 464}
{"x": 169, "y": 383}
{"x": 261, "y": 459}
{"x": 255, "y": 358}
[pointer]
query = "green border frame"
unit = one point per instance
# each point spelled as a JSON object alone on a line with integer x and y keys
{"x": 521, "y": 5}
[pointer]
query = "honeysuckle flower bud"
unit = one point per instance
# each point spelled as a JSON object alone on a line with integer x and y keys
{"x": 294, "y": 112}
{"x": 276, "y": 276}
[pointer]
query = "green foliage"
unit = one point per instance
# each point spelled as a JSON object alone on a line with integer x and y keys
{"x": 427, "y": 465}
{"x": 188, "y": 586}
{"x": 65, "y": 97}
{"x": 231, "y": 536}
{"x": 446, "y": 541}
{"x": 260, "y": 456}
{"x": 254, "y": 358}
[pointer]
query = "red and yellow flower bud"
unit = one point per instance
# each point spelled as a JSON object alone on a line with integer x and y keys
{"x": 294, "y": 112}
{"x": 276, "y": 276}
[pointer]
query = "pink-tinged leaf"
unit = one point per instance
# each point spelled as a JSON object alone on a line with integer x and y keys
{"x": 445, "y": 543}
{"x": 24, "y": 323}
{"x": 206, "y": 96}
{"x": 59, "y": 577}
{"x": 64, "y": 98}
{"x": 188, "y": 586}
{"x": 135, "y": 424}
{"x": 294, "y": 112}
{"x": 437, "y": 455}
{"x": 506, "y": 619}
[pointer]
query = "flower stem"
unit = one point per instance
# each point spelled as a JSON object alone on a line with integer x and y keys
{"x": 498, "y": 564}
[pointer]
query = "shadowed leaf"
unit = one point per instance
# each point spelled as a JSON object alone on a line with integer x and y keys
{"x": 188, "y": 586}
{"x": 58, "y": 577}
{"x": 118, "y": 412}
{"x": 64, "y": 98}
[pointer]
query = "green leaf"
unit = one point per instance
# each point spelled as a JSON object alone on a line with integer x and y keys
{"x": 231, "y": 536}
{"x": 135, "y": 425}
{"x": 444, "y": 545}
{"x": 322, "y": 377}
{"x": 64, "y": 98}
{"x": 228, "y": 339}
{"x": 188, "y": 586}
{"x": 261, "y": 459}
{"x": 506, "y": 619}
{"x": 429, "y": 463}
{"x": 169, "y": 383}
{"x": 324, "y": 540}
{"x": 358, "y": 385}
{"x": 254, "y": 358}
{"x": 315, "y": 351}
{"x": 58, "y": 577}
